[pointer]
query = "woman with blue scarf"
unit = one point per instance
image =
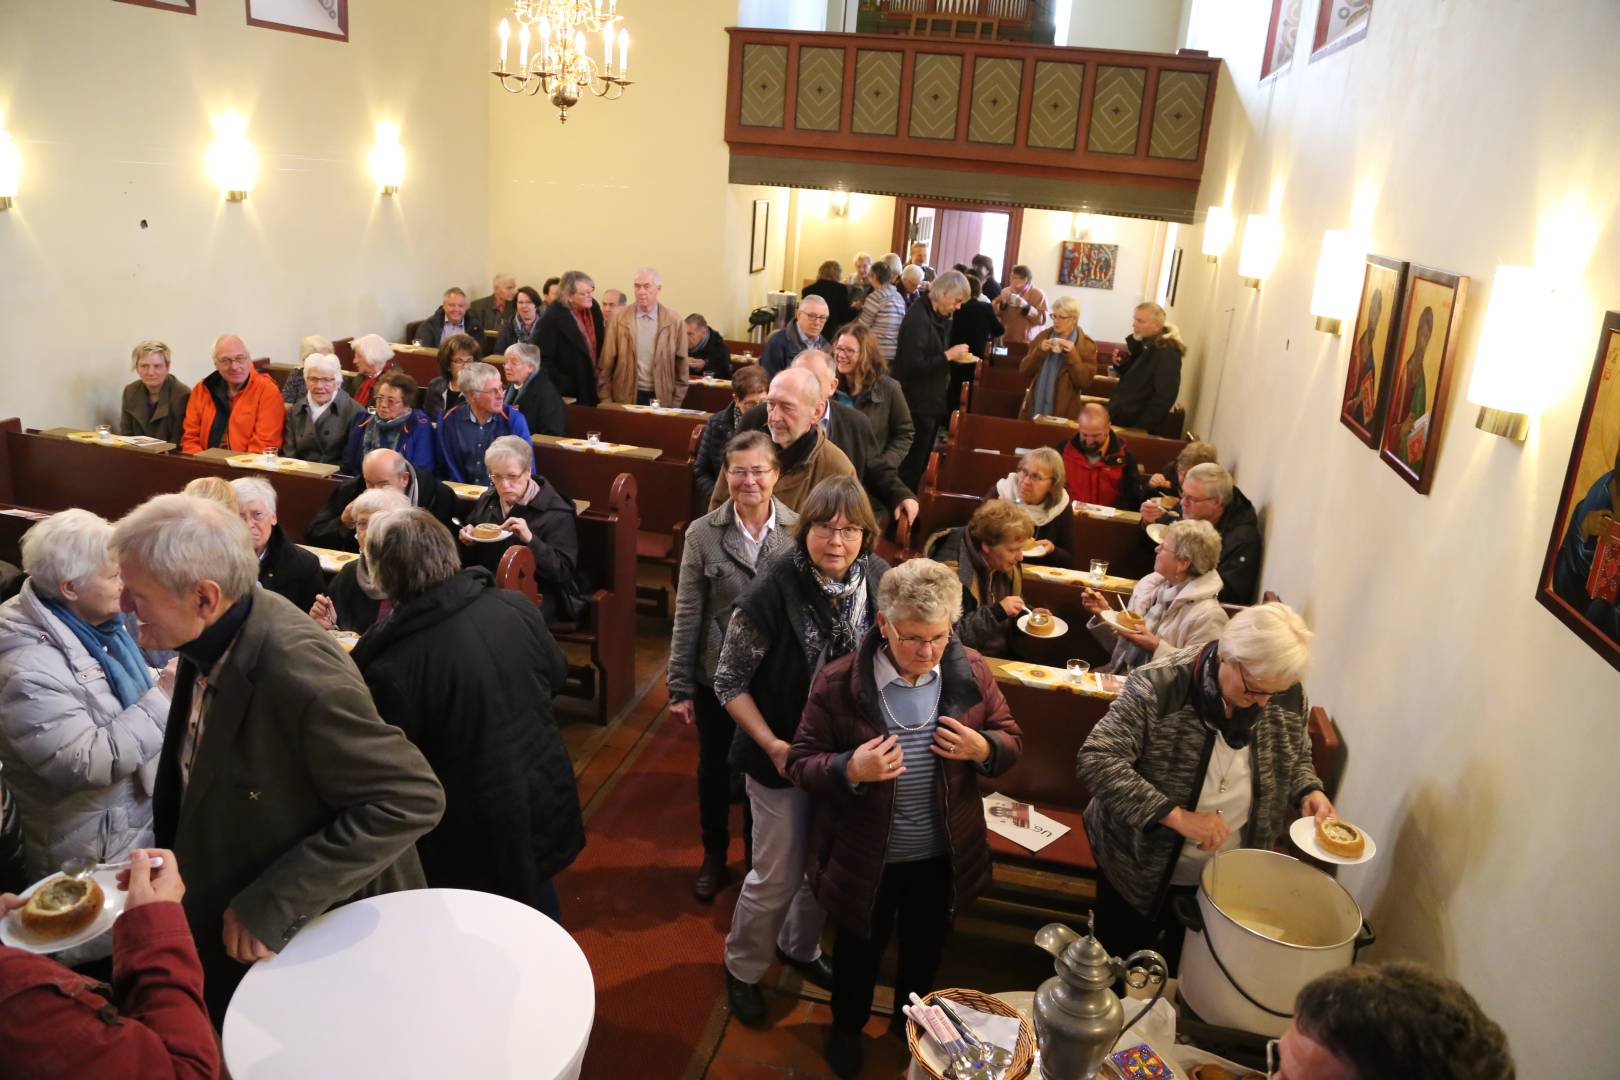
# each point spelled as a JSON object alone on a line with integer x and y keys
{"x": 81, "y": 715}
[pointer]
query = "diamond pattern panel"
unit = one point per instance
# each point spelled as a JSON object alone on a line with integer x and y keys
{"x": 821, "y": 89}
{"x": 877, "y": 93}
{"x": 993, "y": 111}
{"x": 764, "y": 86}
{"x": 1116, "y": 110}
{"x": 1054, "y": 105}
{"x": 1178, "y": 115}
{"x": 936, "y": 87}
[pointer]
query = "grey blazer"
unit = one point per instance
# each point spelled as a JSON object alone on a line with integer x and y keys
{"x": 325, "y": 439}
{"x": 884, "y": 406}
{"x": 714, "y": 573}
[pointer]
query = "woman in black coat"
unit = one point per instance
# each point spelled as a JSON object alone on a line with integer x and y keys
{"x": 830, "y": 287}
{"x": 466, "y": 670}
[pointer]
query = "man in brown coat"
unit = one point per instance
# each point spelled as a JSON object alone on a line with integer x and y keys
{"x": 805, "y": 457}
{"x": 643, "y": 357}
{"x": 279, "y": 787}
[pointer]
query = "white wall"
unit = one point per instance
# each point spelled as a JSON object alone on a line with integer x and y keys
{"x": 1105, "y": 314}
{"x": 1143, "y": 25}
{"x": 868, "y": 227}
{"x": 1483, "y": 735}
{"x": 111, "y": 105}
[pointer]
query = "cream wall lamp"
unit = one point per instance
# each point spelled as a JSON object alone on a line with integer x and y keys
{"x": 10, "y": 170}
{"x": 838, "y": 203}
{"x": 1338, "y": 280}
{"x": 1515, "y": 325}
{"x": 387, "y": 160}
{"x": 233, "y": 164}
{"x": 1218, "y": 229}
{"x": 1262, "y": 243}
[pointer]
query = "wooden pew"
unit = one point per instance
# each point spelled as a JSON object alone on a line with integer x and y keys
{"x": 711, "y": 399}
{"x": 607, "y": 553}
{"x": 673, "y": 435}
{"x": 1153, "y": 454}
{"x": 421, "y": 364}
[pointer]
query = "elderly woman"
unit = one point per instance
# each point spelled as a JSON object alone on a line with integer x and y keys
{"x": 860, "y": 280}
{"x": 467, "y": 430}
{"x": 1159, "y": 485}
{"x": 864, "y": 378}
{"x": 530, "y": 392}
{"x": 922, "y": 362}
{"x": 216, "y": 488}
{"x": 154, "y": 404}
{"x": 373, "y": 358}
{"x": 1039, "y": 487}
{"x": 1061, "y": 362}
{"x": 456, "y": 353}
{"x": 81, "y": 715}
{"x": 722, "y": 554}
{"x": 986, "y": 553}
{"x": 829, "y": 285}
{"x": 524, "y": 324}
{"x": 1180, "y": 600}
{"x": 355, "y": 601}
{"x": 890, "y": 749}
{"x": 749, "y": 386}
{"x": 284, "y": 567}
{"x": 1204, "y": 751}
{"x": 468, "y": 671}
{"x": 535, "y": 514}
{"x": 813, "y": 604}
{"x": 392, "y": 424}
{"x": 883, "y": 310}
{"x": 317, "y": 428}
{"x": 293, "y": 390}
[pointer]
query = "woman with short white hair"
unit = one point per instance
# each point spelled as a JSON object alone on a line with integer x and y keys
{"x": 1205, "y": 750}
{"x": 373, "y": 358}
{"x": 317, "y": 427}
{"x": 284, "y": 567}
{"x": 1179, "y": 602}
{"x": 533, "y": 513}
{"x": 154, "y": 405}
{"x": 293, "y": 390}
{"x": 81, "y": 715}
{"x": 355, "y": 601}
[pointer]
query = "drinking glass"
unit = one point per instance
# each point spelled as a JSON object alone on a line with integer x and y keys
{"x": 1099, "y": 571}
{"x": 270, "y": 454}
{"x": 653, "y": 404}
{"x": 104, "y": 432}
{"x": 1077, "y": 670}
{"x": 593, "y": 438}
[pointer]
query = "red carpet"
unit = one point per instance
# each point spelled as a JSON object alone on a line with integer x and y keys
{"x": 653, "y": 949}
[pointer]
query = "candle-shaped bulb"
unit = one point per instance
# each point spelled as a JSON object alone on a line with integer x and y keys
{"x": 523, "y": 48}
{"x": 607, "y": 48}
{"x": 624, "y": 53}
{"x": 506, "y": 33}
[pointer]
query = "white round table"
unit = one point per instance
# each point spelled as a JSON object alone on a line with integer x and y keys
{"x": 427, "y": 983}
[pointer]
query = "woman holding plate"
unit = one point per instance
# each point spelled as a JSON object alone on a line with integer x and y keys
{"x": 1179, "y": 602}
{"x": 532, "y": 512}
{"x": 985, "y": 554}
{"x": 1040, "y": 488}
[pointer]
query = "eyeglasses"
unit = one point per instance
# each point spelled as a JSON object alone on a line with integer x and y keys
{"x": 849, "y": 534}
{"x": 740, "y": 475}
{"x": 1273, "y": 1058}
{"x": 918, "y": 644}
{"x": 1031, "y": 474}
{"x": 813, "y": 317}
{"x": 319, "y": 380}
{"x": 1243, "y": 676}
{"x": 841, "y": 351}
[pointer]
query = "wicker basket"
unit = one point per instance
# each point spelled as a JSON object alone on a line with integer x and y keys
{"x": 1023, "y": 1054}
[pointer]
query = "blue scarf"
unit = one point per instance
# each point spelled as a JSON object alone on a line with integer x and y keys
{"x": 110, "y": 643}
{"x": 1045, "y": 403}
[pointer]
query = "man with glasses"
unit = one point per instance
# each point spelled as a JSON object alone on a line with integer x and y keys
{"x": 468, "y": 429}
{"x": 804, "y": 332}
{"x": 235, "y": 408}
{"x": 793, "y": 411}
{"x": 1208, "y": 494}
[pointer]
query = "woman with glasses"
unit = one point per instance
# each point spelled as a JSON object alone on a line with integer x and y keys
{"x": 812, "y": 604}
{"x": 457, "y": 352}
{"x": 1040, "y": 488}
{"x": 1205, "y": 750}
{"x": 864, "y": 378}
{"x": 392, "y": 424}
{"x": 1060, "y": 362}
{"x": 890, "y": 749}
{"x": 1179, "y": 602}
{"x": 318, "y": 425}
{"x": 986, "y": 553}
{"x": 724, "y": 551}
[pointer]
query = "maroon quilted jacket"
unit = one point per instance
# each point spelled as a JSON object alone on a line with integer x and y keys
{"x": 850, "y": 832}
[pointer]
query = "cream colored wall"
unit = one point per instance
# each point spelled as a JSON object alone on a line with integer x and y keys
{"x": 869, "y": 227}
{"x": 1483, "y": 735}
{"x": 1105, "y": 314}
{"x": 111, "y": 104}
{"x": 1144, "y": 25}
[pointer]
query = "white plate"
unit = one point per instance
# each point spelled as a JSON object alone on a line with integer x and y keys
{"x": 12, "y": 932}
{"x": 492, "y": 540}
{"x": 1111, "y": 617}
{"x": 1303, "y": 833}
{"x": 346, "y": 639}
{"x": 1156, "y": 532}
{"x": 1059, "y": 628}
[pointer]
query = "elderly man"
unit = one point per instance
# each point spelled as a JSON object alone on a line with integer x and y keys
{"x": 1150, "y": 373}
{"x": 884, "y": 310}
{"x": 466, "y": 430}
{"x": 919, "y": 259}
{"x": 793, "y": 410}
{"x": 570, "y": 334}
{"x": 333, "y": 524}
{"x": 317, "y": 428}
{"x": 1021, "y": 307}
{"x": 706, "y": 350}
{"x": 530, "y": 390}
{"x": 278, "y": 787}
{"x": 1098, "y": 465}
{"x": 451, "y": 318}
{"x": 499, "y": 306}
{"x": 804, "y": 332}
{"x": 373, "y": 358}
{"x": 612, "y": 301}
{"x": 284, "y": 567}
{"x": 913, "y": 285}
{"x": 644, "y": 353}
{"x": 235, "y": 408}
{"x": 1208, "y": 494}
{"x": 922, "y": 364}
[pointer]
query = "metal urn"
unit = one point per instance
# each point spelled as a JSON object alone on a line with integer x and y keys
{"x": 1078, "y": 1018}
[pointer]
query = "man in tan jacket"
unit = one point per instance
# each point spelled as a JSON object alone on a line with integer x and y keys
{"x": 805, "y": 457}
{"x": 643, "y": 355}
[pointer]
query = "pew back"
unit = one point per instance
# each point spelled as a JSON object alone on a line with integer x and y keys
{"x": 670, "y": 434}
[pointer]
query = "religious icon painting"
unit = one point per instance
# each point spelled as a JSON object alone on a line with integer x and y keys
{"x": 1366, "y": 384}
{"x": 1580, "y": 581}
{"x": 1089, "y": 266}
{"x": 1420, "y": 373}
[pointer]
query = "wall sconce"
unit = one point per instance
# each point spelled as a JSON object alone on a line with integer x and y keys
{"x": 387, "y": 160}
{"x": 1515, "y": 325}
{"x": 1338, "y": 278}
{"x": 1218, "y": 229}
{"x": 1082, "y": 224}
{"x": 838, "y": 203}
{"x": 1262, "y": 243}
{"x": 10, "y": 170}
{"x": 232, "y": 163}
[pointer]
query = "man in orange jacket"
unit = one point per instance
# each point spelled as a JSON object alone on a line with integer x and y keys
{"x": 236, "y": 408}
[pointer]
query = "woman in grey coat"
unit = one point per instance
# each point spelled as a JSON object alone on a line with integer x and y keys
{"x": 1205, "y": 750}
{"x": 723, "y": 552}
{"x": 864, "y": 380}
{"x": 318, "y": 424}
{"x": 81, "y": 715}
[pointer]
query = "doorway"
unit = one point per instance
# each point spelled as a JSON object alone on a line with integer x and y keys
{"x": 954, "y": 232}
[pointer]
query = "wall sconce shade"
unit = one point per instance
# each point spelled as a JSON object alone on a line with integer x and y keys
{"x": 1218, "y": 229}
{"x": 1516, "y": 322}
{"x": 1262, "y": 243}
{"x": 1338, "y": 280}
{"x": 387, "y": 160}
{"x": 233, "y": 165}
{"x": 10, "y": 170}
{"x": 1080, "y": 225}
{"x": 838, "y": 203}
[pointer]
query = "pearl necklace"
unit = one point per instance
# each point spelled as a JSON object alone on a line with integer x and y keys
{"x": 939, "y": 687}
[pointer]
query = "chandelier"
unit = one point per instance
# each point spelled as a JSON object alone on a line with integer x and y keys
{"x": 554, "y": 57}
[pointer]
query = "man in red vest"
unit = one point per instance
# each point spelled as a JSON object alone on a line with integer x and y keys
{"x": 1099, "y": 466}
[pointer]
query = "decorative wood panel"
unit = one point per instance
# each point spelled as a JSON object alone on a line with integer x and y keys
{"x": 821, "y": 89}
{"x": 936, "y": 91}
{"x": 993, "y": 112}
{"x": 1178, "y": 115}
{"x": 764, "y": 86}
{"x": 877, "y": 92}
{"x": 1116, "y": 109}
{"x": 1054, "y": 106}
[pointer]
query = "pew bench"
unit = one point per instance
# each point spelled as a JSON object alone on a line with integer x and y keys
{"x": 674, "y": 435}
{"x": 711, "y": 397}
{"x": 607, "y": 555}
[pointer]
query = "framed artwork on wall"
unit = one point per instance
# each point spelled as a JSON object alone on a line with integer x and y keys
{"x": 760, "y": 237}
{"x": 317, "y": 18}
{"x": 1089, "y": 266}
{"x": 1339, "y": 23}
{"x": 1282, "y": 35}
{"x": 184, "y": 7}
{"x": 1420, "y": 373}
{"x": 1580, "y": 580}
{"x": 1366, "y": 384}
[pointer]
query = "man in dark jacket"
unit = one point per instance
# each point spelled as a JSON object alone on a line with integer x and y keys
{"x": 1150, "y": 375}
{"x": 804, "y": 332}
{"x": 1098, "y": 464}
{"x": 748, "y": 388}
{"x": 333, "y": 525}
{"x": 706, "y": 350}
{"x": 570, "y": 338}
{"x": 530, "y": 389}
{"x": 1208, "y": 494}
{"x": 284, "y": 567}
{"x": 451, "y": 318}
{"x": 922, "y": 362}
